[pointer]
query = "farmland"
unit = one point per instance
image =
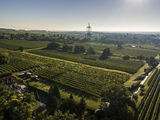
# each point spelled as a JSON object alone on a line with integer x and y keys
{"x": 138, "y": 50}
{"x": 89, "y": 80}
{"x": 86, "y": 75}
{"x": 130, "y": 66}
{"x": 150, "y": 104}
{"x": 16, "y": 44}
{"x": 80, "y": 60}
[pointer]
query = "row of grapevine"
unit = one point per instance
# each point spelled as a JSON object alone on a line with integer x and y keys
{"x": 147, "y": 108}
{"x": 130, "y": 66}
{"x": 152, "y": 77}
{"x": 70, "y": 75}
{"x": 91, "y": 81}
{"x": 16, "y": 65}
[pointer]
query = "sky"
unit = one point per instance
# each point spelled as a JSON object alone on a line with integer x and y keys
{"x": 74, "y": 15}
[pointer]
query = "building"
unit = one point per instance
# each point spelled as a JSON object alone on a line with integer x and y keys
{"x": 11, "y": 81}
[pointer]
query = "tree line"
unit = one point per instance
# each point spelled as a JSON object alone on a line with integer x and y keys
{"x": 78, "y": 49}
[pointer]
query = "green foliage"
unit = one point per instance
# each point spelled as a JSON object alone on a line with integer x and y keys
{"x": 52, "y": 104}
{"x": 71, "y": 96}
{"x": 21, "y": 49}
{"x": 106, "y": 53}
{"x": 16, "y": 106}
{"x": 53, "y": 99}
{"x": 90, "y": 51}
{"x": 152, "y": 61}
{"x": 148, "y": 109}
{"x": 81, "y": 107}
{"x": 119, "y": 98}
{"x": 79, "y": 49}
{"x": 63, "y": 116}
{"x": 130, "y": 66}
{"x": 53, "y": 46}
{"x": 134, "y": 85}
{"x": 68, "y": 105}
{"x": 15, "y": 65}
{"x": 67, "y": 75}
{"x": 16, "y": 44}
{"x": 66, "y": 48}
{"x": 54, "y": 91}
{"x": 135, "y": 96}
{"x": 126, "y": 57}
{"x": 119, "y": 46}
{"x": 4, "y": 58}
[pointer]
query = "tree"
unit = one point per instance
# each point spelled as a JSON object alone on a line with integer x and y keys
{"x": 68, "y": 105}
{"x": 79, "y": 49}
{"x": 121, "y": 105}
{"x": 54, "y": 91}
{"x": 21, "y": 49}
{"x": 4, "y": 58}
{"x": 71, "y": 96}
{"x": 81, "y": 107}
{"x": 119, "y": 46}
{"x": 12, "y": 36}
{"x": 152, "y": 61}
{"x": 66, "y": 48}
{"x": 126, "y": 57}
{"x": 52, "y": 104}
{"x": 63, "y": 116}
{"x": 105, "y": 54}
{"x": 53, "y": 46}
{"x": 53, "y": 99}
{"x": 26, "y": 36}
{"x": 16, "y": 106}
{"x": 90, "y": 51}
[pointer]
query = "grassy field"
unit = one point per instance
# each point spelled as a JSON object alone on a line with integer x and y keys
{"x": 15, "y": 44}
{"x": 137, "y": 74}
{"x": 92, "y": 104}
{"x": 144, "y": 50}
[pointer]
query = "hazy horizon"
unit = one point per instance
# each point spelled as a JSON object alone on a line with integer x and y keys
{"x": 74, "y": 15}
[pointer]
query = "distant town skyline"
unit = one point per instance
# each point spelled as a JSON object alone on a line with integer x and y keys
{"x": 74, "y": 15}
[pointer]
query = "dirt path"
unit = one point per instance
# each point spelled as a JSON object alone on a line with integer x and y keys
{"x": 135, "y": 91}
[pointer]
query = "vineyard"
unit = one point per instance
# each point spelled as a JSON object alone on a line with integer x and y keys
{"x": 130, "y": 66}
{"x": 68, "y": 75}
{"x": 149, "y": 109}
{"x": 15, "y": 65}
{"x": 15, "y": 44}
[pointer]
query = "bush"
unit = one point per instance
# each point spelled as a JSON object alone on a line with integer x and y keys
{"x": 135, "y": 96}
{"x": 142, "y": 93}
{"x": 90, "y": 51}
{"x": 67, "y": 48}
{"x": 134, "y": 85}
{"x": 126, "y": 57}
{"x": 53, "y": 46}
{"x": 79, "y": 49}
{"x": 4, "y": 58}
{"x": 106, "y": 53}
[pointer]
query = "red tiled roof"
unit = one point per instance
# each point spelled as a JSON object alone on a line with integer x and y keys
{"x": 8, "y": 79}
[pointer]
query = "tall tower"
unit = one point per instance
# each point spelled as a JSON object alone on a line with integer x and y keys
{"x": 89, "y": 30}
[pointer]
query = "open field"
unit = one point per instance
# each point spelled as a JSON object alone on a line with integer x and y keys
{"x": 15, "y": 44}
{"x": 137, "y": 74}
{"x": 144, "y": 50}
